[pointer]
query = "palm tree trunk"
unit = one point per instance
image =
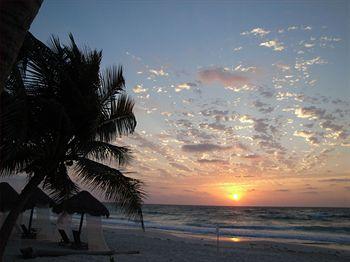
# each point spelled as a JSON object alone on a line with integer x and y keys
{"x": 11, "y": 219}
{"x": 16, "y": 17}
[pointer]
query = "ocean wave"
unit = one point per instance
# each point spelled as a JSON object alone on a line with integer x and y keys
{"x": 270, "y": 232}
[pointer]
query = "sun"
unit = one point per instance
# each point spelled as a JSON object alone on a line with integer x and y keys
{"x": 235, "y": 197}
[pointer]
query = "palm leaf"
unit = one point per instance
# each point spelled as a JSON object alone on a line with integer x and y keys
{"x": 125, "y": 191}
{"x": 118, "y": 119}
{"x": 102, "y": 151}
{"x": 112, "y": 82}
{"x": 60, "y": 185}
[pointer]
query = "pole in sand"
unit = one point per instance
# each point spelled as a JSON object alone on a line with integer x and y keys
{"x": 217, "y": 238}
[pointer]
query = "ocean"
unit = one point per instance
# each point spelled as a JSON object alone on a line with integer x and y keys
{"x": 299, "y": 224}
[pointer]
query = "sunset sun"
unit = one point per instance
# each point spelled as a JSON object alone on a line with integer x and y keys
{"x": 235, "y": 197}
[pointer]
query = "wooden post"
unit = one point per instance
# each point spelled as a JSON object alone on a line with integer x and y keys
{"x": 217, "y": 238}
{"x": 30, "y": 220}
{"x": 81, "y": 222}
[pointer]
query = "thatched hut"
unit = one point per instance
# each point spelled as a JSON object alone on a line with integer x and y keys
{"x": 84, "y": 203}
{"x": 41, "y": 201}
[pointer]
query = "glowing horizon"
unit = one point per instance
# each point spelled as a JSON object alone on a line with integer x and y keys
{"x": 251, "y": 99}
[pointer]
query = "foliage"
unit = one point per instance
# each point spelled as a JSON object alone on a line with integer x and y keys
{"x": 60, "y": 114}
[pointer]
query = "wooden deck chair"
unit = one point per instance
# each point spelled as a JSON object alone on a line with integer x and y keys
{"x": 64, "y": 238}
{"x": 26, "y": 234}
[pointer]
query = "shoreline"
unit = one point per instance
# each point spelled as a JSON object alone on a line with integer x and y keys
{"x": 235, "y": 238}
{"x": 158, "y": 246}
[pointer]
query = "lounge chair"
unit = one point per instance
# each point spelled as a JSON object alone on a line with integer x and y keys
{"x": 28, "y": 234}
{"x": 65, "y": 239}
{"x": 77, "y": 242}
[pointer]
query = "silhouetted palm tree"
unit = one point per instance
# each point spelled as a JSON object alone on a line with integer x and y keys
{"x": 58, "y": 113}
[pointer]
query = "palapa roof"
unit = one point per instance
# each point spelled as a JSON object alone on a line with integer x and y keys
{"x": 8, "y": 197}
{"x": 38, "y": 199}
{"x": 83, "y": 202}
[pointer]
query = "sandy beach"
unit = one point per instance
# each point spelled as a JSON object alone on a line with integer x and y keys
{"x": 154, "y": 245}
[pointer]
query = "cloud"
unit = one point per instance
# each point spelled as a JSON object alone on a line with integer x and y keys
{"x": 335, "y": 180}
{"x": 246, "y": 119}
{"x": 184, "y": 86}
{"x": 293, "y": 27}
{"x": 267, "y": 93}
{"x": 159, "y": 72}
{"x": 309, "y": 136}
{"x": 283, "y": 67}
{"x": 303, "y": 65}
{"x": 180, "y": 166}
{"x": 241, "y": 68}
{"x": 215, "y": 113}
{"x": 246, "y": 87}
{"x": 263, "y": 107}
{"x": 212, "y": 161}
{"x": 256, "y": 32}
{"x": 309, "y": 112}
{"x": 309, "y": 45}
{"x": 139, "y": 89}
{"x": 274, "y": 44}
{"x": 222, "y": 76}
{"x": 205, "y": 147}
{"x": 215, "y": 126}
{"x": 251, "y": 156}
{"x": 338, "y": 130}
{"x": 260, "y": 125}
{"x": 285, "y": 95}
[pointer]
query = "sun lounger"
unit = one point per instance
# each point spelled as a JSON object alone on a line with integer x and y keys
{"x": 27, "y": 234}
{"x": 65, "y": 239}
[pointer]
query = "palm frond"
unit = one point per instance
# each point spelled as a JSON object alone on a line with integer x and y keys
{"x": 15, "y": 158}
{"x": 125, "y": 191}
{"x": 112, "y": 82}
{"x": 102, "y": 151}
{"x": 60, "y": 185}
{"x": 118, "y": 119}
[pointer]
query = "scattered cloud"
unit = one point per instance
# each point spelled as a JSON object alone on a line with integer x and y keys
{"x": 219, "y": 75}
{"x": 180, "y": 166}
{"x": 274, "y": 44}
{"x": 212, "y": 161}
{"x": 205, "y": 147}
{"x": 256, "y": 32}
{"x": 309, "y": 112}
{"x": 335, "y": 180}
{"x": 309, "y": 136}
{"x": 184, "y": 86}
{"x": 159, "y": 72}
{"x": 139, "y": 89}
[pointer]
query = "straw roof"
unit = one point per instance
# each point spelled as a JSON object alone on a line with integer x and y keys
{"x": 39, "y": 199}
{"x": 83, "y": 202}
{"x": 8, "y": 197}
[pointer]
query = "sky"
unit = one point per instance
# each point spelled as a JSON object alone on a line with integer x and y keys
{"x": 232, "y": 97}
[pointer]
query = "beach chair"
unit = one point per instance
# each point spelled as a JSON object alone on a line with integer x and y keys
{"x": 78, "y": 244}
{"x": 64, "y": 238}
{"x": 27, "y": 234}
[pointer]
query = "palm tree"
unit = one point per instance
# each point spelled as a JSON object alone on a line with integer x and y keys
{"x": 59, "y": 113}
{"x": 15, "y": 20}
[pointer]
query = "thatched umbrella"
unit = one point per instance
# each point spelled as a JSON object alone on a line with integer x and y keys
{"x": 82, "y": 203}
{"x": 8, "y": 197}
{"x": 37, "y": 199}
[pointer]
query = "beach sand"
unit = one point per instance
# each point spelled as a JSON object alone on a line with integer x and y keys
{"x": 159, "y": 246}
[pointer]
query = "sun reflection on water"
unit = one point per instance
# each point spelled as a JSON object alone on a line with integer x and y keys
{"x": 235, "y": 239}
